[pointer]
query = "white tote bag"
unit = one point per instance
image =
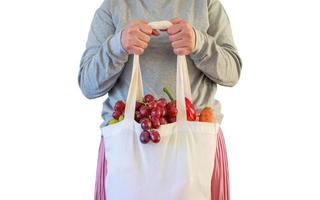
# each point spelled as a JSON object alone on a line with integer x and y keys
{"x": 179, "y": 167}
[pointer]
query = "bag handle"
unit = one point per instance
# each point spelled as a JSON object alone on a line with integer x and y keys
{"x": 182, "y": 82}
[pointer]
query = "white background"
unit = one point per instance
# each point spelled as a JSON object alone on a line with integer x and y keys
{"x": 49, "y": 132}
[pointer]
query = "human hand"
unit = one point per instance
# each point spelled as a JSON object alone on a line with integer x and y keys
{"x": 136, "y": 36}
{"x": 182, "y": 37}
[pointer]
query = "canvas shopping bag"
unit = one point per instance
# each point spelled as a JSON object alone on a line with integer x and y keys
{"x": 179, "y": 167}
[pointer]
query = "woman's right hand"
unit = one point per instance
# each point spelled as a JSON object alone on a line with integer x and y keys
{"x": 136, "y": 35}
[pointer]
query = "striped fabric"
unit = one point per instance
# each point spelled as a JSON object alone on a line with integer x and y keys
{"x": 220, "y": 178}
{"x": 220, "y": 188}
{"x": 100, "y": 193}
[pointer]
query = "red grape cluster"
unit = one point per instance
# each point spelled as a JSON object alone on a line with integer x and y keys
{"x": 152, "y": 113}
{"x": 118, "y": 109}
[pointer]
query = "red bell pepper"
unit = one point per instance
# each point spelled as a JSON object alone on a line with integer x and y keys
{"x": 191, "y": 111}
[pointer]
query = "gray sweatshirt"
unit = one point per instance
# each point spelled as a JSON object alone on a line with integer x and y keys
{"x": 106, "y": 67}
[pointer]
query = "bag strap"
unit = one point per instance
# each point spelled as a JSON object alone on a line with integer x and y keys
{"x": 182, "y": 82}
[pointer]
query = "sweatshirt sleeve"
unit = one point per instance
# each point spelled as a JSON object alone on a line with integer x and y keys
{"x": 215, "y": 53}
{"x": 104, "y": 58}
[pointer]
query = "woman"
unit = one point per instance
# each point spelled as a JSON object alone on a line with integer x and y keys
{"x": 200, "y": 30}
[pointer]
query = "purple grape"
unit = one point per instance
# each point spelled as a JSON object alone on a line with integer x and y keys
{"x": 171, "y": 110}
{"x": 171, "y": 119}
{"x": 138, "y": 116}
{"x": 163, "y": 121}
{"x": 116, "y": 114}
{"x": 156, "y": 112}
{"x": 151, "y": 105}
{"x": 138, "y": 105}
{"x": 155, "y": 136}
{"x": 145, "y": 137}
{"x": 155, "y": 122}
{"x": 145, "y": 112}
{"x": 148, "y": 98}
{"x": 119, "y": 106}
{"x": 162, "y": 102}
{"x": 146, "y": 124}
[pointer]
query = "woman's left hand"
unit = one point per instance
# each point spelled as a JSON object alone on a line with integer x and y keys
{"x": 182, "y": 37}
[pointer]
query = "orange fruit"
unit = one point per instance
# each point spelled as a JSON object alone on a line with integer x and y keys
{"x": 207, "y": 115}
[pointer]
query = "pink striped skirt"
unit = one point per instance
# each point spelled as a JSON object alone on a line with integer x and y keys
{"x": 219, "y": 183}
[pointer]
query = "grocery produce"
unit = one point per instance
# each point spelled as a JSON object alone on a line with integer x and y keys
{"x": 151, "y": 113}
{"x": 138, "y": 105}
{"x": 162, "y": 102}
{"x": 163, "y": 120}
{"x": 155, "y": 122}
{"x": 146, "y": 124}
{"x": 155, "y": 136}
{"x": 121, "y": 118}
{"x": 171, "y": 119}
{"x": 148, "y": 98}
{"x": 112, "y": 121}
{"x": 171, "y": 110}
{"x": 145, "y": 137}
{"x": 207, "y": 115}
{"x": 118, "y": 112}
{"x": 138, "y": 116}
{"x": 144, "y": 110}
{"x": 151, "y": 105}
{"x": 157, "y": 112}
{"x": 120, "y": 106}
{"x": 191, "y": 111}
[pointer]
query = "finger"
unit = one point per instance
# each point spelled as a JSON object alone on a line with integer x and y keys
{"x": 155, "y": 32}
{"x": 176, "y": 20}
{"x": 135, "y": 50}
{"x": 176, "y": 37}
{"x": 144, "y": 37}
{"x": 174, "y": 29}
{"x": 139, "y": 43}
{"x": 179, "y": 44}
{"x": 145, "y": 28}
{"x": 181, "y": 51}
